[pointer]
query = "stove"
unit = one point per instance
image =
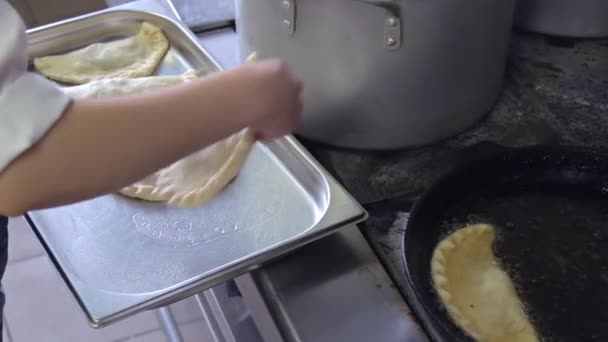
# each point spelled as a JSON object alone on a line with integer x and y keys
{"x": 555, "y": 92}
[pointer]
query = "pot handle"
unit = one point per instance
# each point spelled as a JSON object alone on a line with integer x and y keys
{"x": 288, "y": 16}
{"x": 392, "y": 22}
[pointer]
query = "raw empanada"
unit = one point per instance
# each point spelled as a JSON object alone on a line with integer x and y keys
{"x": 190, "y": 181}
{"x": 126, "y": 86}
{"x": 194, "y": 180}
{"x": 477, "y": 293}
{"x": 136, "y": 56}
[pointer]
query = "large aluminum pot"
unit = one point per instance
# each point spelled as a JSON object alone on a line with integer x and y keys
{"x": 382, "y": 74}
{"x": 568, "y": 18}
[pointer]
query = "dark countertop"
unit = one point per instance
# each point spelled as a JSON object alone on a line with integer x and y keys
{"x": 555, "y": 92}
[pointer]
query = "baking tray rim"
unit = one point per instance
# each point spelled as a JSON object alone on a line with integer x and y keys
{"x": 328, "y": 223}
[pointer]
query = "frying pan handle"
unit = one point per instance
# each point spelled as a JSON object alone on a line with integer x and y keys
{"x": 392, "y": 22}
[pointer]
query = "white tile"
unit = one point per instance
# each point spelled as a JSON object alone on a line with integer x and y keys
{"x": 23, "y": 243}
{"x": 154, "y": 336}
{"x": 41, "y": 308}
{"x": 196, "y": 331}
{"x": 5, "y": 334}
{"x": 191, "y": 332}
{"x": 186, "y": 310}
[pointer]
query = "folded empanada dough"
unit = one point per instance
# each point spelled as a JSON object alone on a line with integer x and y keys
{"x": 136, "y": 56}
{"x": 477, "y": 293}
{"x": 194, "y": 180}
{"x": 191, "y": 181}
{"x": 126, "y": 86}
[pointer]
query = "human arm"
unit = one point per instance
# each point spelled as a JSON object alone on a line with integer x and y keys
{"x": 54, "y": 151}
{"x": 101, "y": 145}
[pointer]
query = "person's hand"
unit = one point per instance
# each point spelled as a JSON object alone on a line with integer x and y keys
{"x": 272, "y": 95}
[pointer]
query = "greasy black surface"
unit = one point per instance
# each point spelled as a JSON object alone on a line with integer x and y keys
{"x": 555, "y": 92}
{"x": 550, "y": 206}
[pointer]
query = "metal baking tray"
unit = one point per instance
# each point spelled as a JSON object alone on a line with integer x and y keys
{"x": 121, "y": 256}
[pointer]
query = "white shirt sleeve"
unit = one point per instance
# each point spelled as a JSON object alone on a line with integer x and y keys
{"x": 29, "y": 104}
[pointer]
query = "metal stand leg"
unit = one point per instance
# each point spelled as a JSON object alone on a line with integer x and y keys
{"x": 216, "y": 320}
{"x": 169, "y": 325}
